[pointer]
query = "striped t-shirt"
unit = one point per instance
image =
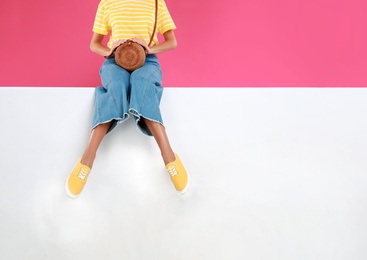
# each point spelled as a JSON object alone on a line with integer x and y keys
{"x": 132, "y": 18}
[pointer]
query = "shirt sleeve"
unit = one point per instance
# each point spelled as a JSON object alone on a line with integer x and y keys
{"x": 100, "y": 24}
{"x": 164, "y": 21}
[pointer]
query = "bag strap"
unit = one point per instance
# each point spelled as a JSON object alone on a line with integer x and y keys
{"x": 155, "y": 22}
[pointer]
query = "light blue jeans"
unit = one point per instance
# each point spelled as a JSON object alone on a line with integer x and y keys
{"x": 123, "y": 93}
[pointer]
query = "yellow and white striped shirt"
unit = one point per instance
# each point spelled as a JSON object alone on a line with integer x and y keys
{"x": 132, "y": 18}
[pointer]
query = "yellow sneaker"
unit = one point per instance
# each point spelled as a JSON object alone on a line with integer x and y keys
{"x": 179, "y": 176}
{"x": 76, "y": 180}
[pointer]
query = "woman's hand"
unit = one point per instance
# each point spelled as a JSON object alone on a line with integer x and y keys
{"x": 142, "y": 43}
{"x": 115, "y": 44}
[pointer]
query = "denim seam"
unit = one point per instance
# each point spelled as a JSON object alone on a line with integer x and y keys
{"x": 153, "y": 73}
{"x": 111, "y": 90}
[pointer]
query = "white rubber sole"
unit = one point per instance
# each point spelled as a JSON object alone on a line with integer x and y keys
{"x": 67, "y": 191}
{"x": 188, "y": 186}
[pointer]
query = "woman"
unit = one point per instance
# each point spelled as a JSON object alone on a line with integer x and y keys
{"x": 124, "y": 93}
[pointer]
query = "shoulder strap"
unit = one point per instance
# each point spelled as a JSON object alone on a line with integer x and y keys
{"x": 155, "y": 22}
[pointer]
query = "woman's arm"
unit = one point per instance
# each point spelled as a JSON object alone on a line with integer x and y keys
{"x": 170, "y": 43}
{"x": 97, "y": 46}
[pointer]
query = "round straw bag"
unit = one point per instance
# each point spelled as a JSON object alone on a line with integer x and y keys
{"x": 130, "y": 55}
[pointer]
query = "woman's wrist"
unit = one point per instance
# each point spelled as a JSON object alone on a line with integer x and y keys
{"x": 100, "y": 49}
{"x": 163, "y": 47}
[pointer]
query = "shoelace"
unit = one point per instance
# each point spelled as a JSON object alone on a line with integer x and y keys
{"x": 172, "y": 170}
{"x": 82, "y": 173}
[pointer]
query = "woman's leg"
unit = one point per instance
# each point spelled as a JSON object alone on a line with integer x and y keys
{"x": 95, "y": 140}
{"x": 174, "y": 166}
{"x": 79, "y": 175}
{"x": 146, "y": 93}
{"x": 161, "y": 138}
{"x": 111, "y": 105}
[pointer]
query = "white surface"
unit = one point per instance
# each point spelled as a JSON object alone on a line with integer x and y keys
{"x": 277, "y": 174}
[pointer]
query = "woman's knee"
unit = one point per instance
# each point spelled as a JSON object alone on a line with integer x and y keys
{"x": 114, "y": 76}
{"x": 147, "y": 73}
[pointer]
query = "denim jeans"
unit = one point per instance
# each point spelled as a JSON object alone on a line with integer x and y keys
{"x": 123, "y": 94}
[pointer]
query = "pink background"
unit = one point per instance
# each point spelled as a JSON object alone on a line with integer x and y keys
{"x": 221, "y": 43}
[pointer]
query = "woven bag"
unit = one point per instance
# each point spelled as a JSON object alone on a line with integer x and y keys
{"x": 131, "y": 55}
